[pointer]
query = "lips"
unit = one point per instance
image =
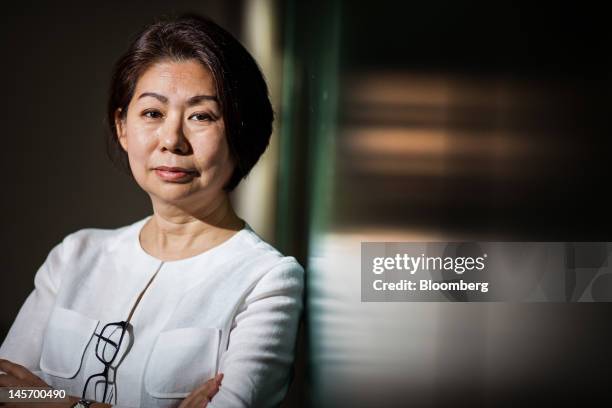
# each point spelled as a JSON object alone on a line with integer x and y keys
{"x": 175, "y": 173}
{"x": 175, "y": 169}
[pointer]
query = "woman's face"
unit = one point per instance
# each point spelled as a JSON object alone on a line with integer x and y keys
{"x": 174, "y": 121}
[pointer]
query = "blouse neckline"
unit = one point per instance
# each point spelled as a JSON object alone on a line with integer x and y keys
{"x": 218, "y": 248}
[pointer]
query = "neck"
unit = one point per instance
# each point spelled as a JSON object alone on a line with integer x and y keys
{"x": 173, "y": 233}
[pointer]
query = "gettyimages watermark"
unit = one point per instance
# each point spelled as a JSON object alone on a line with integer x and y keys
{"x": 486, "y": 271}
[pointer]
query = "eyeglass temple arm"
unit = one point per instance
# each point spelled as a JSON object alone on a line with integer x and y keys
{"x": 142, "y": 293}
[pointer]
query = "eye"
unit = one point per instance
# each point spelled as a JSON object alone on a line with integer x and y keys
{"x": 152, "y": 114}
{"x": 202, "y": 117}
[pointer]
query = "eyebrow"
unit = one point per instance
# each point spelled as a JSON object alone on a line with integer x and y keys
{"x": 194, "y": 100}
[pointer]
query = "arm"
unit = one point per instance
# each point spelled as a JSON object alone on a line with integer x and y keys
{"x": 22, "y": 346}
{"x": 259, "y": 357}
{"x": 23, "y": 343}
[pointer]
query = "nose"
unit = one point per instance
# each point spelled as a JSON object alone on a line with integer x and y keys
{"x": 172, "y": 136}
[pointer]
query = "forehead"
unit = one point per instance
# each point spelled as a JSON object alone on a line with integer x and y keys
{"x": 177, "y": 79}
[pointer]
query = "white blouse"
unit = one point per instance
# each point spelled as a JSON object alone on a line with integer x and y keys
{"x": 233, "y": 309}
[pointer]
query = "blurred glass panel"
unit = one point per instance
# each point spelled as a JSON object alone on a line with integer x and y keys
{"x": 438, "y": 122}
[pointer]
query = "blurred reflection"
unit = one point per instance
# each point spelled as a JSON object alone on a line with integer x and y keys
{"x": 423, "y": 157}
{"x": 474, "y": 155}
{"x": 449, "y": 122}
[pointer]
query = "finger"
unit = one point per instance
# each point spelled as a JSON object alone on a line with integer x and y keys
{"x": 6, "y": 366}
{"x": 199, "y": 403}
{"x": 194, "y": 401}
{"x": 204, "y": 394}
{"x": 202, "y": 398}
{"x": 19, "y": 371}
{"x": 218, "y": 378}
{"x": 201, "y": 395}
{"x": 208, "y": 389}
{"x": 7, "y": 380}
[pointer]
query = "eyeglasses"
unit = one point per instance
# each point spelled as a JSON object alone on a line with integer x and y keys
{"x": 106, "y": 351}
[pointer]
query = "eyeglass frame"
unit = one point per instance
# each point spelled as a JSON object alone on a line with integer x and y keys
{"x": 124, "y": 325}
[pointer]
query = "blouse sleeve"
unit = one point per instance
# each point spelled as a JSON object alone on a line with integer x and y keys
{"x": 23, "y": 343}
{"x": 258, "y": 360}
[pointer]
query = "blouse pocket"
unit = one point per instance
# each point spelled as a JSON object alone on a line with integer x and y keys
{"x": 182, "y": 360}
{"x": 66, "y": 338}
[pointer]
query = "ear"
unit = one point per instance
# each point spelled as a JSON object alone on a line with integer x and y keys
{"x": 120, "y": 128}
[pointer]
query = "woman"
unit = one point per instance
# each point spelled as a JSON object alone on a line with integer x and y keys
{"x": 188, "y": 306}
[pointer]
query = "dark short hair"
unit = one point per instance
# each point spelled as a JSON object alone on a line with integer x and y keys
{"x": 241, "y": 88}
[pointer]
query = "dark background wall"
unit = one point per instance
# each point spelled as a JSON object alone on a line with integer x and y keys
{"x": 57, "y": 60}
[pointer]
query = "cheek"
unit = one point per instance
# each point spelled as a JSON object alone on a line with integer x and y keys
{"x": 214, "y": 160}
{"x": 140, "y": 145}
{"x": 211, "y": 148}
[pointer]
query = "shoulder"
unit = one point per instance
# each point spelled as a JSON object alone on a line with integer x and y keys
{"x": 89, "y": 239}
{"x": 262, "y": 251}
{"x": 74, "y": 249}
{"x": 87, "y": 242}
{"x": 271, "y": 266}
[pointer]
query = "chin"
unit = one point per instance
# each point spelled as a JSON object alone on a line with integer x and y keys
{"x": 181, "y": 193}
{"x": 172, "y": 193}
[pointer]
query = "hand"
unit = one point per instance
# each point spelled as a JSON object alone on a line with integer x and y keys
{"x": 201, "y": 396}
{"x": 19, "y": 376}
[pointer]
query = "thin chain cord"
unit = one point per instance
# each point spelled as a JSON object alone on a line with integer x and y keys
{"x": 143, "y": 292}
